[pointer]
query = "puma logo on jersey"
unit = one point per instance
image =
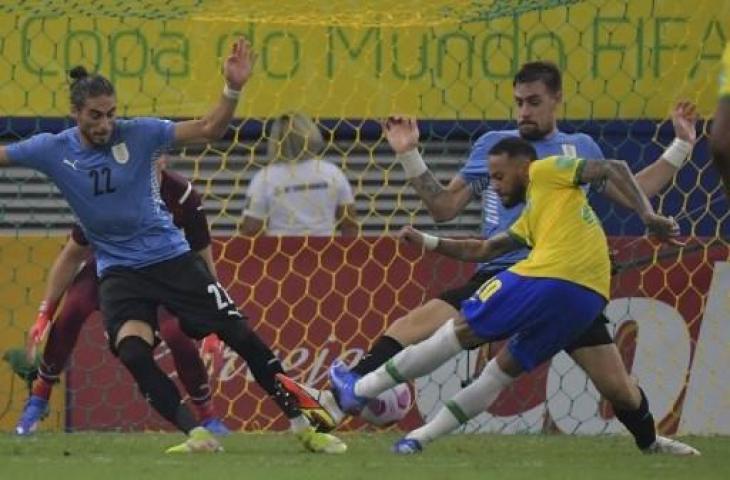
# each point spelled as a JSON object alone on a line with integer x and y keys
{"x": 71, "y": 164}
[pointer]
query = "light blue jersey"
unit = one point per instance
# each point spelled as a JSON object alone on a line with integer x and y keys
{"x": 112, "y": 190}
{"x": 497, "y": 218}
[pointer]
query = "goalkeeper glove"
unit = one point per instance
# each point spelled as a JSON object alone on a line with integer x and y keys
{"x": 39, "y": 330}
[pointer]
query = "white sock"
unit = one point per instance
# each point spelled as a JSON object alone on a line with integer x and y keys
{"x": 412, "y": 362}
{"x": 465, "y": 405}
{"x": 298, "y": 424}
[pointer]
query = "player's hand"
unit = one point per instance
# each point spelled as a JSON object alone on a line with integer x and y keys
{"x": 684, "y": 121}
{"x": 662, "y": 228}
{"x": 38, "y": 331}
{"x": 401, "y": 132}
{"x": 238, "y": 67}
{"x": 410, "y": 236}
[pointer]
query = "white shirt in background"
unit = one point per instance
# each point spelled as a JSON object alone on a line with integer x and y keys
{"x": 298, "y": 198}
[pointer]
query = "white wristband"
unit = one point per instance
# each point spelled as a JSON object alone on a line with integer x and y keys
{"x": 412, "y": 162}
{"x": 678, "y": 152}
{"x": 229, "y": 93}
{"x": 430, "y": 242}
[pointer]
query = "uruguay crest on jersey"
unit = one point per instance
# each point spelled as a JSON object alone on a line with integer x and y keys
{"x": 120, "y": 153}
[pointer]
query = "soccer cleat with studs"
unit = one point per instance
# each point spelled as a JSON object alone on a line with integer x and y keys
{"x": 35, "y": 410}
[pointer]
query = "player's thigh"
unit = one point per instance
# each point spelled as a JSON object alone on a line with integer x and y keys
{"x": 191, "y": 293}
{"x": 605, "y": 367}
{"x": 466, "y": 335}
{"x": 418, "y": 324}
{"x": 128, "y": 306}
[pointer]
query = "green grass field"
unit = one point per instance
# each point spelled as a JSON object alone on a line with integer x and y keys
{"x": 277, "y": 456}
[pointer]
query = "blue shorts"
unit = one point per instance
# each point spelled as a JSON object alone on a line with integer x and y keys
{"x": 540, "y": 316}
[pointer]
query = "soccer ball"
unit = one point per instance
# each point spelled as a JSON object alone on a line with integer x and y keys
{"x": 389, "y": 407}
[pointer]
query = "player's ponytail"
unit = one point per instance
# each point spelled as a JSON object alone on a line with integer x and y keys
{"x": 77, "y": 73}
{"x": 85, "y": 84}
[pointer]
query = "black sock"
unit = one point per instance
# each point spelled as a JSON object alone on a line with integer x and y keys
{"x": 157, "y": 388}
{"x": 263, "y": 365}
{"x": 639, "y": 422}
{"x": 384, "y": 349}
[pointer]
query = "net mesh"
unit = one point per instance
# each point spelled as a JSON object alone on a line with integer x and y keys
{"x": 347, "y": 64}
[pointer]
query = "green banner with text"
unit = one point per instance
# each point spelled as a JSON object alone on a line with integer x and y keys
{"x": 622, "y": 59}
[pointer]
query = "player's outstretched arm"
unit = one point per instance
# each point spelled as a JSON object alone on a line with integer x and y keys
{"x": 64, "y": 269}
{"x": 467, "y": 250}
{"x": 237, "y": 69}
{"x": 653, "y": 178}
{"x": 617, "y": 173}
{"x": 61, "y": 275}
{"x": 442, "y": 203}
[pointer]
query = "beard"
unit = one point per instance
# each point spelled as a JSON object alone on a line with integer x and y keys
{"x": 515, "y": 198}
{"x": 531, "y": 132}
{"x": 97, "y": 139}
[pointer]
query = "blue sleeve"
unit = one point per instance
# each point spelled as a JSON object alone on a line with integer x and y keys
{"x": 161, "y": 133}
{"x": 476, "y": 164}
{"x": 34, "y": 152}
{"x": 590, "y": 149}
{"x": 476, "y": 170}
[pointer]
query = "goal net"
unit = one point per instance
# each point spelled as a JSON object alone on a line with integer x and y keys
{"x": 347, "y": 64}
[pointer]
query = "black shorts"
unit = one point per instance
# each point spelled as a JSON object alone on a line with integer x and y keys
{"x": 597, "y": 333}
{"x": 183, "y": 285}
{"x": 455, "y": 296}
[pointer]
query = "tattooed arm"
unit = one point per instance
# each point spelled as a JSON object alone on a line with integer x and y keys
{"x": 442, "y": 203}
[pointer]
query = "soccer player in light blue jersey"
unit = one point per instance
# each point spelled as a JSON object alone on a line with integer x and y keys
{"x": 104, "y": 168}
{"x": 538, "y": 99}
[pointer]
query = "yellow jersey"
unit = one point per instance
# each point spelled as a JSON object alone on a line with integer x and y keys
{"x": 725, "y": 74}
{"x": 565, "y": 235}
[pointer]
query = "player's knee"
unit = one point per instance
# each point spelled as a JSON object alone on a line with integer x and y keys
{"x": 419, "y": 324}
{"x": 134, "y": 352}
{"x": 396, "y": 326}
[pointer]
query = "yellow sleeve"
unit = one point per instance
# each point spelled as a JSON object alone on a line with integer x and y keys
{"x": 556, "y": 172}
{"x": 725, "y": 74}
{"x": 519, "y": 230}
